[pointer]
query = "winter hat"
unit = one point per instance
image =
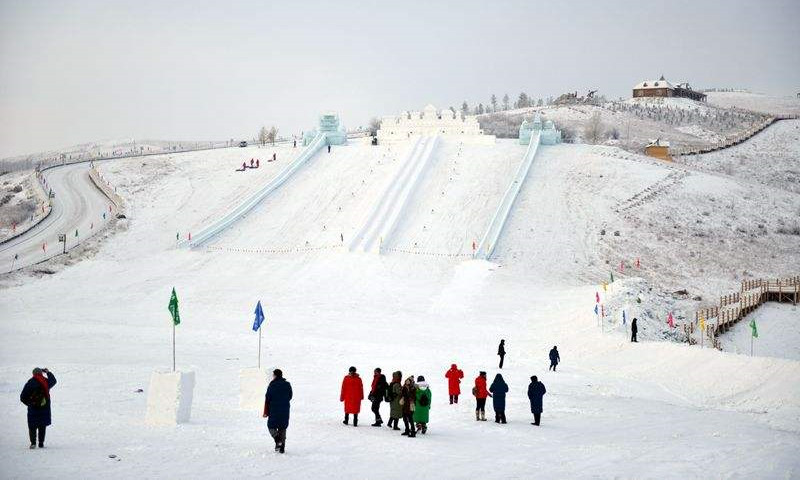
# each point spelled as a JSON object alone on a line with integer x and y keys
{"x": 37, "y": 371}
{"x": 420, "y": 378}
{"x": 534, "y": 378}
{"x": 482, "y": 373}
{"x": 352, "y": 370}
{"x": 278, "y": 372}
{"x": 398, "y": 374}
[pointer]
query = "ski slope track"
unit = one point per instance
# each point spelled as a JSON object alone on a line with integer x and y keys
{"x": 387, "y": 212}
{"x": 489, "y": 240}
{"x": 218, "y": 226}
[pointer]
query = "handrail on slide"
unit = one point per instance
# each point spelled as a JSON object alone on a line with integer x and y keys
{"x": 216, "y": 227}
{"x": 489, "y": 240}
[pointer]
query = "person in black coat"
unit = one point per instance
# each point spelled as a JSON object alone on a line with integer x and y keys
{"x": 554, "y": 358}
{"x": 634, "y": 330}
{"x": 501, "y": 351}
{"x": 536, "y": 391}
{"x": 377, "y": 394}
{"x": 276, "y": 408}
{"x": 36, "y": 396}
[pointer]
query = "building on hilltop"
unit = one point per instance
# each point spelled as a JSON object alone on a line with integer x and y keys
{"x": 431, "y": 122}
{"x": 658, "y": 149}
{"x": 662, "y": 88}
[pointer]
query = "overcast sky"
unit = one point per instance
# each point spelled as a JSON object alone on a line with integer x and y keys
{"x": 81, "y": 71}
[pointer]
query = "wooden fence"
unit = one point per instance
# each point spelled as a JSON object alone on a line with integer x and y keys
{"x": 735, "y": 306}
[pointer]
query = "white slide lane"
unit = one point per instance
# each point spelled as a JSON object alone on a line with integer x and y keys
{"x": 381, "y": 222}
{"x": 78, "y": 204}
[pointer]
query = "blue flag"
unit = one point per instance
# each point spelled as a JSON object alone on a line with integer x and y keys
{"x": 259, "y": 317}
{"x": 595, "y": 309}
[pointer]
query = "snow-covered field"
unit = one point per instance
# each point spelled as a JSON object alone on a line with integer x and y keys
{"x": 757, "y": 102}
{"x": 649, "y": 410}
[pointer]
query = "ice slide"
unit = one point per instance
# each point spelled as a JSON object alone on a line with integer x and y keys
{"x": 216, "y": 227}
{"x": 489, "y": 240}
{"x": 384, "y": 217}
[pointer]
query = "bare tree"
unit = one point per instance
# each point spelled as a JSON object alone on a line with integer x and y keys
{"x": 263, "y": 136}
{"x": 272, "y": 135}
{"x": 594, "y": 131}
{"x": 374, "y": 126}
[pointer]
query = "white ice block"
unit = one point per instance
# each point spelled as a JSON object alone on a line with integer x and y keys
{"x": 252, "y": 388}
{"x": 169, "y": 399}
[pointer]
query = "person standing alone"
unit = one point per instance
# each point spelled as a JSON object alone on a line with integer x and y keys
{"x": 454, "y": 376}
{"x": 536, "y": 391}
{"x": 501, "y": 351}
{"x": 352, "y": 394}
{"x": 634, "y": 330}
{"x": 36, "y": 396}
{"x": 554, "y": 358}
{"x": 276, "y": 408}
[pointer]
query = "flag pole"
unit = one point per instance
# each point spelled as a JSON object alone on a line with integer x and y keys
{"x": 259, "y": 348}
{"x": 173, "y": 346}
{"x": 751, "y": 344}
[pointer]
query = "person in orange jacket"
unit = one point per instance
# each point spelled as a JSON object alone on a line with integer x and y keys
{"x": 454, "y": 376}
{"x": 481, "y": 393}
{"x": 352, "y": 394}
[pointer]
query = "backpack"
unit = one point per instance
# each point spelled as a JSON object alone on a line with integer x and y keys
{"x": 474, "y": 391}
{"x": 388, "y": 395}
{"x": 424, "y": 400}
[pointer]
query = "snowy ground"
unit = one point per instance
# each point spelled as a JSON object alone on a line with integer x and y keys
{"x": 756, "y": 102}
{"x": 614, "y": 409}
{"x": 770, "y": 158}
{"x": 20, "y": 206}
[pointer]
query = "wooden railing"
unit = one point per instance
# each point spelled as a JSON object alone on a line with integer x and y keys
{"x": 735, "y": 306}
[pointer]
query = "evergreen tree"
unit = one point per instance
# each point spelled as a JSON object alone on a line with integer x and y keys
{"x": 523, "y": 101}
{"x": 505, "y": 101}
{"x": 465, "y": 108}
{"x": 494, "y": 102}
{"x": 480, "y": 109}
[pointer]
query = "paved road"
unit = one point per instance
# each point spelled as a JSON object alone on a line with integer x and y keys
{"x": 77, "y": 204}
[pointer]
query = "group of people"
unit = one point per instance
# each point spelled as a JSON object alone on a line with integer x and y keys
{"x": 409, "y": 400}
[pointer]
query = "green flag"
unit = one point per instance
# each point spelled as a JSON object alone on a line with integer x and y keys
{"x": 173, "y": 308}
{"x": 612, "y": 277}
{"x": 754, "y": 328}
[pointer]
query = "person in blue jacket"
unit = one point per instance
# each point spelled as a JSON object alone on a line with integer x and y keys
{"x": 276, "y": 408}
{"x": 499, "y": 388}
{"x": 536, "y": 391}
{"x": 36, "y": 396}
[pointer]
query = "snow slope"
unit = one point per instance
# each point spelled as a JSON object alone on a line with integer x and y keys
{"x": 778, "y": 335}
{"x": 757, "y": 102}
{"x": 614, "y": 409}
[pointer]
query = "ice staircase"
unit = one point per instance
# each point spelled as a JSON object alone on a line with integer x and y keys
{"x": 384, "y": 218}
{"x": 489, "y": 241}
{"x": 216, "y": 227}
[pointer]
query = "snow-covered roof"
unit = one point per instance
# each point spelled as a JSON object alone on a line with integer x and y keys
{"x": 648, "y": 84}
{"x": 658, "y": 143}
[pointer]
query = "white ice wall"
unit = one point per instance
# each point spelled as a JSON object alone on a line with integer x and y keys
{"x": 169, "y": 398}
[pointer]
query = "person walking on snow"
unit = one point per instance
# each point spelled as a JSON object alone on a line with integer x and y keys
{"x": 36, "y": 396}
{"x": 480, "y": 392}
{"x": 454, "y": 376}
{"x": 499, "y": 389}
{"x": 376, "y": 393}
{"x": 276, "y": 408}
{"x": 422, "y": 405}
{"x": 634, "y": 330}
{"x": 536, "y": 391}
{"x": 501, "y": 352}
{"x": 409, "y": 393}
{"x": 395, "y": 396}
{"x": 352, "y": 394}
{"x": 554, "y": 358}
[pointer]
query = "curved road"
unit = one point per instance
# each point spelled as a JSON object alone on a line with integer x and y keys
{"x": 78, "y": 204}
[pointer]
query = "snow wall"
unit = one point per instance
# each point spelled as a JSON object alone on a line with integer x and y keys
{"x": 169, "y": 398}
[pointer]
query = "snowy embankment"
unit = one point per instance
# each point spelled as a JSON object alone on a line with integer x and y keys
{"x": 613, "y": 408}
{"x": 23, "y": 203}
{"x": 778, "y": 333}
{"x": 775, "y": 105}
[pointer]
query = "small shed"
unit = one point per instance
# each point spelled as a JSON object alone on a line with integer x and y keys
{"x": 658, "y": 149}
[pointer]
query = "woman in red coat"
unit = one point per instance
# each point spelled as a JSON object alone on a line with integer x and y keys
{"x": 480, "y": 393}
{"x": 454, "y": 376}
{"x": 352, "y": 394}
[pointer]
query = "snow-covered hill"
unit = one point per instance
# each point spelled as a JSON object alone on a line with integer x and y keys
{"x": 629, "y": 410}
